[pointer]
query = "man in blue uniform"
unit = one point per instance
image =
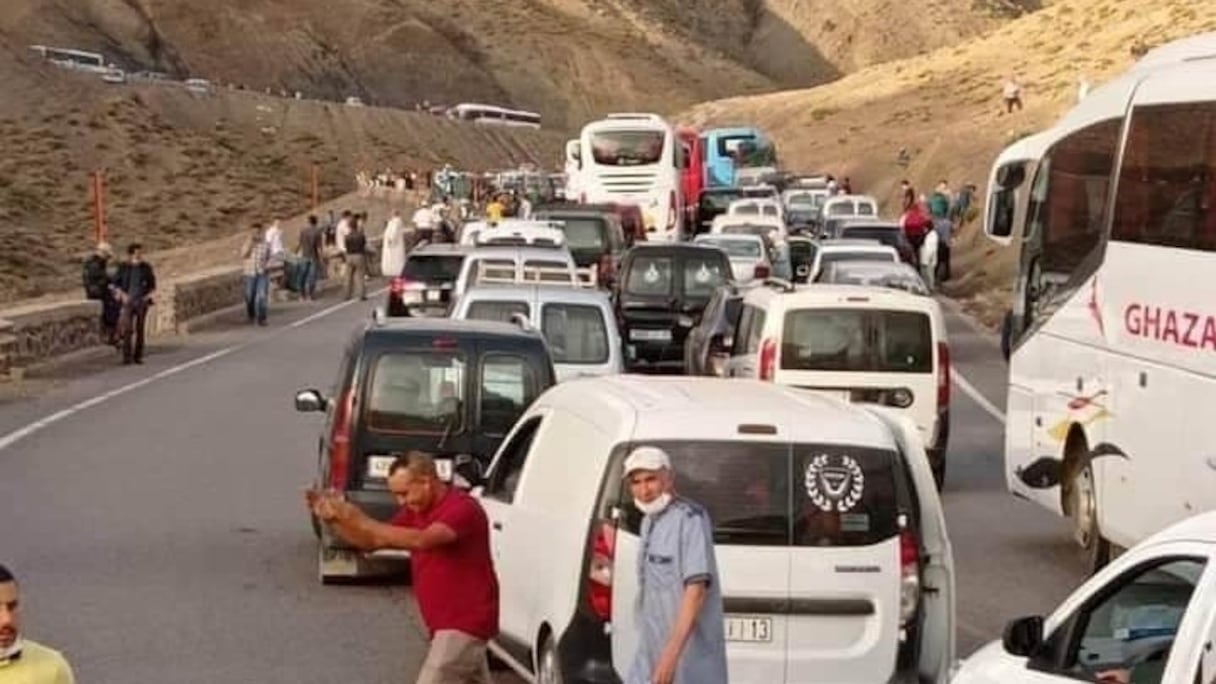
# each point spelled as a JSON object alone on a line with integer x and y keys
{"x": 681, "y": 636}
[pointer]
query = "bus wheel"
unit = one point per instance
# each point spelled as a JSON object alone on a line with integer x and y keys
{"x": 1083, "y": 510}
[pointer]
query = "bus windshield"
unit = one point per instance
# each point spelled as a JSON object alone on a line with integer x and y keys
{"x": 627, "y": 148}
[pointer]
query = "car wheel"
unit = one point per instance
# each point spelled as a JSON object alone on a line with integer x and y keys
{"x": 548, "y": 669}
{"x": 1083, "y": 512}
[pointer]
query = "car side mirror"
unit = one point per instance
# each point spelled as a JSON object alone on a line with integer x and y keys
{"x": 467, "y": 472}
{"x": 310, "y": 401}
{"x": 1023, "y": 636}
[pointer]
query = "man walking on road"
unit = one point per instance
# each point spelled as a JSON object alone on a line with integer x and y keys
{"x": 312, "y": 242}
{"x": 356, "y": 260}
{"x": 681, "y": 634}
{"x": 23, "y": 661}
{"x": 447, "y": 534}
{"x": 256, "y": 253}
{"x": 133, "y": 287}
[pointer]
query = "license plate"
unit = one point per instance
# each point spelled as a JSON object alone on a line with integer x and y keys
{"x": 433, "y": 296}
{"x": 377, "y": 466}
{"x": 651, "y": 335}
{"x": 750, "y": 629}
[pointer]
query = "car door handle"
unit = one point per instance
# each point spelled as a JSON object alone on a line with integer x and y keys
{"x": 497, "y": 525}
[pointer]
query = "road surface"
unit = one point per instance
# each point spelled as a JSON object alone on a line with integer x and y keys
{"x": 155, "y": 517}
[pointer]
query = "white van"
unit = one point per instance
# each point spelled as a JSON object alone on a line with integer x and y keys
{"x": 862, "y": 344}
{"x": 829, "y": 534}
{"x": 579, "y": 325}
{"x": 850, "y": 205}
{"x": 499, "y": 265}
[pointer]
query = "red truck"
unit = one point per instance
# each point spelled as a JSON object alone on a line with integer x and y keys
{"x": 693, "y": 175}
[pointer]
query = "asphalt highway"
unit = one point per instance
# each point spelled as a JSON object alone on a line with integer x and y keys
{"x": 154, "y": 514}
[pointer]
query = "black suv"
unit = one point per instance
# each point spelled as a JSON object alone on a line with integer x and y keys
{"x": 450, "y": 388}
{"x": 661, "y": 292}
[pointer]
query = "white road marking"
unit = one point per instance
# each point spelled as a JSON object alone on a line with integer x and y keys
{"x": 42, "y": 423}
{"x": 978, "y": 398}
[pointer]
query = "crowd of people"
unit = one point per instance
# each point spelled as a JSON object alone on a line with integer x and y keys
{"x": 930, "y": 222}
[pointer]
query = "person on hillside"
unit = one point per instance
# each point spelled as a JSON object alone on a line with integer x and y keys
{"x": 255, "y": 254}
{"x": 312, "y": 261}
{"x": 97, "y": 288}
{"x": 908, "y": 195}
{"x": 1012, "y": 94}
{"x": 962, "y": 204}
{"x": 23, "y": 661}
{"x": 392, "y": 246}
{"x": 133, "y": 287}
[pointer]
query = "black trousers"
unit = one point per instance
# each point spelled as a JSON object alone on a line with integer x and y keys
{"x": 133, "y": 323}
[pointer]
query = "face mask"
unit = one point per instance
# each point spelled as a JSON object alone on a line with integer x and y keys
{"x": 654, "y": 507}
{"x": 12, "y": 651}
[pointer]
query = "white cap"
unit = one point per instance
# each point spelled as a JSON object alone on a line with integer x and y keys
{"x": 647, "y": 458}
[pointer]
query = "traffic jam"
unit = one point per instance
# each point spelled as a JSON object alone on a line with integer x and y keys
{"x": 773, "y": 342}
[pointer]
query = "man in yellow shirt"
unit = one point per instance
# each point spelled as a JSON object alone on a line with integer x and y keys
{"x": 495, "y": 209}
{"x": 21, "y": 660}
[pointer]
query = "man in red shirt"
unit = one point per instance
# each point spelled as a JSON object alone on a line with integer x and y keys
{"x": 448, "y": 537}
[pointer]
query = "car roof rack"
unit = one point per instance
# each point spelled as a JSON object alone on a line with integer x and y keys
{"x": 779, "y": 283}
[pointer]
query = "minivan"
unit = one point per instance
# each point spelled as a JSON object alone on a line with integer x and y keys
{"x": 450, "y": 388}
{"x": 831, "y": 544}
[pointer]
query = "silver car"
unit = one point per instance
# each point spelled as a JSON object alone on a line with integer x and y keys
{"x": 897, "y": 276}
{"x": 578, "y": 324}
{"x": 748, "y": 254}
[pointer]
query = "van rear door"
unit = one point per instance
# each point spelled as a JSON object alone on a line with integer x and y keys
{"x": 864, "y": 355}
{"x": 845, "y": 569}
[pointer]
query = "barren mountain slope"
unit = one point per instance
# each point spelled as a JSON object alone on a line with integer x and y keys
{"x": 945, "y": 108}
{"x": 183, "y": 169}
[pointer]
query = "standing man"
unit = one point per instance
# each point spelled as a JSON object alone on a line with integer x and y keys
{"x": 681, "y": 638}
{"x": 97, "y": 287}
{"x": 312, "y": 243}
{"x": 256, "y": 255}
{"x": 448, "y": 537}
{"x": 356, "y": 260}
{"x": 23, "y": 661}
{"x": 133, "y": 287}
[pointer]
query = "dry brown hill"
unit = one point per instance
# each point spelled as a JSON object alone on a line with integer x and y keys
{"x": 945, "y": 108}
{"x": 183, "y": 169}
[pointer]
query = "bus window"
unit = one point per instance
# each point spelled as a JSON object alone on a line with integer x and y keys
{"x": 1002, "y": 204}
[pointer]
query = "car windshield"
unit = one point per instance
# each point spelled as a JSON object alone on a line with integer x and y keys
{"x": 702, "y": 275}
{"x": 801, "y": 200}
{"x": 495, "y": 310}
{"x": 652, "y": 275}
{"x": 866, "y": 340}
{"x": 627, "y": 148}
{"x": 747, "y": 210}
{"x": 838, "y": 255}
{"x": 585, "y": 237}
{"x": 887, "y": 236}
{"x": 739, "y": 249}
{"x": 765, "y": 494}
{"x": 416, "y": 393}
{"x": 576, "y": 333}
{"x": 842, "y": 209}
{"x": 433, "y": 268}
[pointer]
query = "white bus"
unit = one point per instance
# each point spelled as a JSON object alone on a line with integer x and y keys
{"x": 72, "y": 59}
{"x": 491, "y": 115}
{"x": 635, "y": 159}
{"x": 1112, "y": 374}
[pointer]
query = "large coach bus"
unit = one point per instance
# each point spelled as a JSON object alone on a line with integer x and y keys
{"x": 635, "y": 159}
{"x": 1112, "y": 374}
{"x": 728, "y": 149}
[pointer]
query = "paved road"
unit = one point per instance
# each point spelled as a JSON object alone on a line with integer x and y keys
{"x": 160, "y": 534}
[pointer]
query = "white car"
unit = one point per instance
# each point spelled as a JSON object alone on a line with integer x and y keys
{"x": 115, "y": 76}
{"x": 756, "y": 207}
{"x": 861, "y": 344}
{"x": 897, "y": 276}
{"x": 832, "y": 251}
{"x": 748, "y": 254}
{"x": 579, "y": 325}
{"x": 831, "y": 544}
{"x": 200, "y": 86}
{"x": 850, "y": 205}
{"x": 1149, "y": 616}
{"x": 513, "y": 232}
{"x": 498, "y": 265}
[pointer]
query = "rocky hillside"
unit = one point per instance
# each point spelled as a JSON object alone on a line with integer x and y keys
{"x": 944, "y": 108}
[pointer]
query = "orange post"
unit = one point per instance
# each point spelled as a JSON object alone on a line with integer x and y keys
{"x": 99, "y": 206}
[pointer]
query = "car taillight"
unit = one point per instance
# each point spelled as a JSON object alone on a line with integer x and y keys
{"x": 340, "y": 446}
{"x": 768, "y": 359}
{"x": 599, "y": 569}
{"x": 943, "y": 374}
{"x": 761, "y": 271}
{"x": 909, "y": 576}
